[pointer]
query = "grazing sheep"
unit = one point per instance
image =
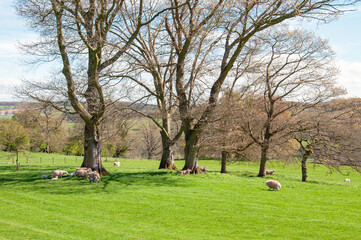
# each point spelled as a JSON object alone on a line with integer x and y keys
{"x": 116, "y": 164}
{"x": 45, "y": 176}
{"x": 83, "y": 168}
{"x": 94, "y": 177}
{"x": 270, "y": 172}
{"x": 82, "y": 172}
{"x": 347, "y": 180}
{"x": 184, "y": 172}
{"x": 72, "y": 174}
{"x": 273, "y": 184}
{"x": 58, "y": 173}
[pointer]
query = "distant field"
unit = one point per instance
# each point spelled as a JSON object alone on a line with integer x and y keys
{"x": 137, "y": 201}
{"x": 7, "y": 107}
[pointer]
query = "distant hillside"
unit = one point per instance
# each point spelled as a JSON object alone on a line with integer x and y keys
{"x": 7, "y": 108}
{"x": 10, "y": 108}
{"x": 9, "y": 104}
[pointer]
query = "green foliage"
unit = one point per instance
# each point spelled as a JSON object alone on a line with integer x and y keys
{"x": 47, "y": 131}
{"x": 42, "y": 147}
{"x": 137, "y": 201}
{"x": 74, "y": 147}
{"x": 37, "y": 143}
{"x": 108, "y": 149}
{"x": 13, "y": 136}
{"x": 121, "y": 149}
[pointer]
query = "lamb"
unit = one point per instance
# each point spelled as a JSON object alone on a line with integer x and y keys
{"x": 116, "y": 164}
{"x": 273, "y": 184}
{"x": 347, "y": 180}
{"x": 58, "y": 173}
{"x": 72, "y": 174}
{"x": 94, "y": 177}
{"x": 184, "y": 172}
{"x": 45, "y": 176}
{"x": 270, "y": 172}
{"x": 203, "y": 169}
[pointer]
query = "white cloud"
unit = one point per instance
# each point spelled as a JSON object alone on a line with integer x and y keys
{"x": 5, "y": 94}
{"x": 350, "y": 77}
{"x": 7, "y": 98}
{"x": 8, "y": 49}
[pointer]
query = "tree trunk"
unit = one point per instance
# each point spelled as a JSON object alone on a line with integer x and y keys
{"x": 167, "y": 161}
{"x": 191, "y": 150}
{"x": 304, "y": 166}
{"x": 47, "y": 136}
{"x": 262, "y": 166}
{"x": 224, "y": 162}
{"x": 92, "y": 150}
{"x": 17, "y": 161}
{"x": 47, "y": 144}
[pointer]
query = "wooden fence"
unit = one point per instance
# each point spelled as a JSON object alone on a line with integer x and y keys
{"x": 47, "y": 160}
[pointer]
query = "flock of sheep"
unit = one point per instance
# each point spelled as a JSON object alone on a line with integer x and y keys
{"x": 94, "y": 176}
{"x": 83, "y": 172}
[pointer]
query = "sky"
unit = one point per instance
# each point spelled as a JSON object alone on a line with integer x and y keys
{"x": 343, "y": 34}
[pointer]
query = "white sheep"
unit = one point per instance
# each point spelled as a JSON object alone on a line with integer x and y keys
{"x": 273, "y": 184}
{"x": 347, "y": 180}
{"x": 184, "y": 172}
{"x": 82, "y": 172}
{"x": 94, "y": 176}
{"x": 116, "y": 164}
{"x": 45, "y": 176}
{"x": 72, "y": 174}
{"x": 58, "y": 173}
{"x": 83, "y": 168}
{"x": 270, "y": 172}
{"x": 54, "y": 178}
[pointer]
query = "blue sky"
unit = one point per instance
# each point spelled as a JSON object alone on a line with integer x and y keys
{"x": 344, "y": 35}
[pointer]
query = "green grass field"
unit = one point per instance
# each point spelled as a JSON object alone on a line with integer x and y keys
{"x": 137, "y": 201}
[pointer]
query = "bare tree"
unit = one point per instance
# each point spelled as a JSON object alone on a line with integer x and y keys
{"x": 193, "y": 33}
{"x": 150, "y": 140}
{"x": 89, "y": 37}
{"x": 329, "y": 133}
{"x": 45, "y": 126}
{"x": 295, "y": 73}
{"x": 224, "y": 133}
{"x": 116, "y": 125}
{"x": 240, "y": 20}
{"x": 152, "y": 69}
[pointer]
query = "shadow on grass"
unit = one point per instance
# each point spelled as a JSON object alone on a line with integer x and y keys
{"x": 245, "y": 174}
{"x": 148, "y": 178}
{"x": 29, "y": 180}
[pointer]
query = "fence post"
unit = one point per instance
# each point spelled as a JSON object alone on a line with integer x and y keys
{"x": 76, "y": 159}
{"x": 53, "y": 160}
{"x": 27, "y": 160}
{"x": 64, "y": 160}
{"x": 40, "y": 160}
